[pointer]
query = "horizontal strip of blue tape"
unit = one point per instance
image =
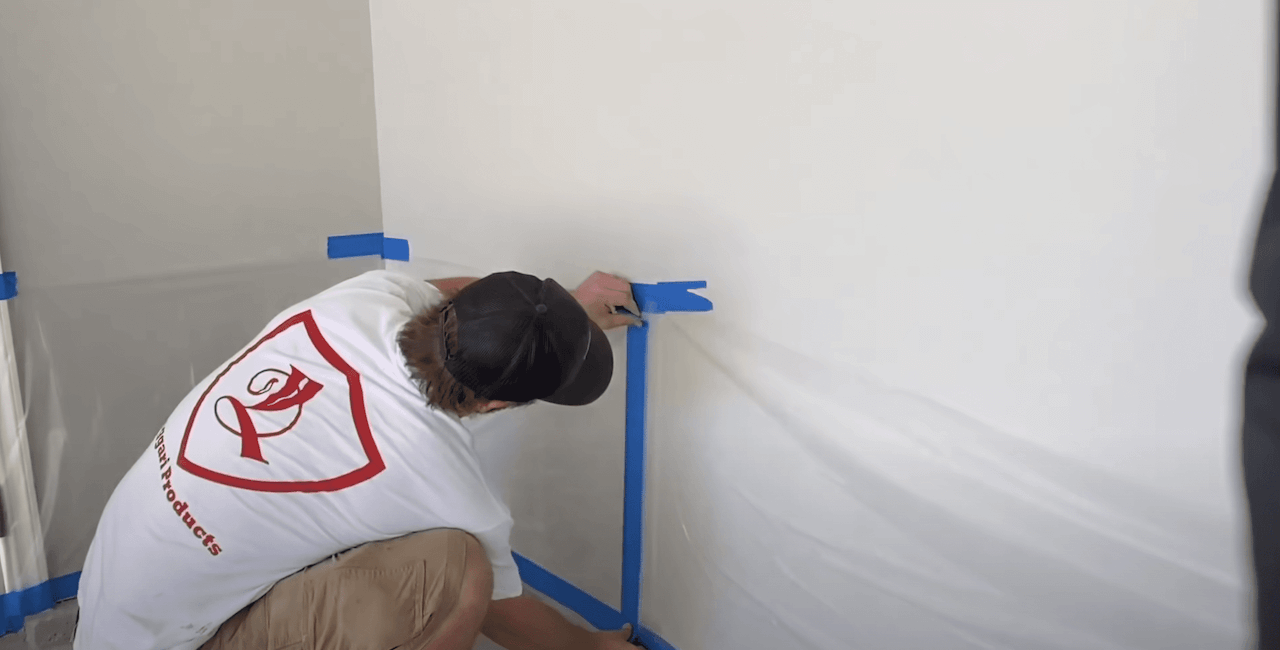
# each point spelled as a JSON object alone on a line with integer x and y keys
{"x": 665, "y": 297}
{"x": 355, "y": 245}
{"x": 598, "y": 614}
{"x": 368, "y": 244}
{"x": 8, "y": 285}
{"x": 18, "y": 605}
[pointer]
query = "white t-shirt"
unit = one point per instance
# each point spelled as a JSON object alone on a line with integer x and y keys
{"x": 311, "y": 440}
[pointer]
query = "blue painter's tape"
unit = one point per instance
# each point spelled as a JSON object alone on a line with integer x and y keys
{"x": 590, "y": 608}
{"x": 355, "y": 245}
{"x": 8, "y": 285}
{"x": 395, "y": 249}
{"x": 373, "y": 243}
{"x": 65, "y": 587}
{"x": 602, "y": 616}
{"x": 652, "y": 641}
{"x": 18, "y": 605}
{"x": 658, "y": 298}
{"x": 665, "y": 297}
{"x": 633, "y": 478}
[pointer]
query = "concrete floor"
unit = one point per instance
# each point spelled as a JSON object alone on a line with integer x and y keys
{"x": 53, "y": 630}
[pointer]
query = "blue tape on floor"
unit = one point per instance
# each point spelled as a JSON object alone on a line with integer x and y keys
{"x": 633, "y": 478}
{"x": 373, "y": 243}
{"x": 8, "y": 285}
{"x": 591, "y": 609}
{"x": 598, "y": 614}
{"x": 652, "y": 641}
{"x": 18, "y": 605}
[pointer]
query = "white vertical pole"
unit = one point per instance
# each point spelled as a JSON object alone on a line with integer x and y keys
{"x": 22, "y": 559}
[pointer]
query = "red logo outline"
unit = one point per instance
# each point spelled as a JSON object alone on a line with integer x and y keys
{"x": 359, "y": 417}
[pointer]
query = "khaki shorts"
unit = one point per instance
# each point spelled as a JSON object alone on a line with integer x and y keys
{"x": 378, "y": 596}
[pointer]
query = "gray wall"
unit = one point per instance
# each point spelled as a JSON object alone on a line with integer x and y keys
{"x": 169, "y": 171}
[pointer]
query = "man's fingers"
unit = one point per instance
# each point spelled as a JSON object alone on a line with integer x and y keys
{"x": 619, "y": 320}
{"x": 612, "y": 321}
{"x": 611, "y": 290}
{"x": 628, "y": 298}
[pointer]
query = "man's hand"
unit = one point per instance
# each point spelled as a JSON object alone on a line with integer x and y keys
{"x": 526, "y": 623}
{"x": 614, "y": 640}
{"x": 602, "y": 294}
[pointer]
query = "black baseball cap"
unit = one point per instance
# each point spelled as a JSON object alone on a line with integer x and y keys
{"x": 520, "y": 339}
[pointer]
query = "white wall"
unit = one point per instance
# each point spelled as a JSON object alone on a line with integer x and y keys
{"x": 972, "y": 377}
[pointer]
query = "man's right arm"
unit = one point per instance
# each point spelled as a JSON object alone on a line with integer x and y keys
{"x": 525, "y": 623}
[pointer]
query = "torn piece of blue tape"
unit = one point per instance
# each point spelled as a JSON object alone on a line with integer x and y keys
{"x": 665, "y": 297}
{"x": 8, "y": 285}
{"x": 590, "y": 608}
{"x": 366, "y": 244}
{"x": 18, "y": 605}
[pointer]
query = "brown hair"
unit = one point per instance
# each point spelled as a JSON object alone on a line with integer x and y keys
{"x": 420, "y": 342}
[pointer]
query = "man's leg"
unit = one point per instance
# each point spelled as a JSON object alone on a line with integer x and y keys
{"x": 459, "y": 627}
{"x": 426, "y": 591}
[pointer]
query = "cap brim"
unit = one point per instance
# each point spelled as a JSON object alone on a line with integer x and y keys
{"x": 594, "y": 376}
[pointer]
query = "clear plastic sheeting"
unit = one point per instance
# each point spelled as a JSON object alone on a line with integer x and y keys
{"x": 815, "y": 508}
{"x": 22, "y": 553}
{"x": 103, "y": 364}
{"x": 169, "y": 174}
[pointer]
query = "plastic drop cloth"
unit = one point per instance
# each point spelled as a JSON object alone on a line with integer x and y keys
{"x": 812, "y": 508}
{"x": 103, "y": 364}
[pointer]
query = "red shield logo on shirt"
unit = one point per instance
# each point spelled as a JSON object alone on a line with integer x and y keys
{"x": 288, "y": 415}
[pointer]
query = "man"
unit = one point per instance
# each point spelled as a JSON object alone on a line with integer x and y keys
{"x": 319, "y": 490}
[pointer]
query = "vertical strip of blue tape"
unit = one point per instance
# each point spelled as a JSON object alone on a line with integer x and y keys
{"x": 633, "y": 481}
